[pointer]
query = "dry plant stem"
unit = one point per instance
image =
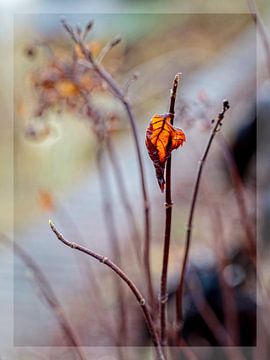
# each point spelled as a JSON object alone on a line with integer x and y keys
{"x": 179, "y": 292}
{"x": 261, "y": 29}
{"x": 168, "y": 214}
{"x": 114, "y": 243}
{"x": 120, "y": 273}
{"x": 118, "y": 92}
{"x": 48, "y": 294}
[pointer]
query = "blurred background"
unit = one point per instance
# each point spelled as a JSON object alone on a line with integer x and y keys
{"x": 54, "y": 166}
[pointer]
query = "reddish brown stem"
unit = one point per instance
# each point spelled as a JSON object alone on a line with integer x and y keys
{"x": 179, "y": 292}
{"x": 139, "y": 297}
{"x": 168, "y": 220}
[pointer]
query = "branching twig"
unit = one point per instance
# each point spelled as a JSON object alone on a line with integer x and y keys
{"x": 179, "y": 292}
{"x": 139, "y": 297}
{"x": 118, "y": 92}
{"x": 167, "y": 236}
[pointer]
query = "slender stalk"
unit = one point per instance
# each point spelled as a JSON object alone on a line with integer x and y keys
{"x": 118, "y": 92}
{"x": 139, "y": 297}
{"x": 48, "y": 294}
{"x": 179, "y": 292}
{"x": 168, "y": 214}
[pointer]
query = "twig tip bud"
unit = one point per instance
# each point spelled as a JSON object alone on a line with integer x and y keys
{"x": 226, "y": 104}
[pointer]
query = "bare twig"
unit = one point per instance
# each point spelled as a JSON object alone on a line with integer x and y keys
{"x": 118, "y": 92}
{"x": 108, "y": 47}
{"x": 179, "y": 292}
{"x": 167, "y": 236}
{"x": 48, "y": 294}
{"x": 139, "y": 297}
{"x": 87, "y": 29}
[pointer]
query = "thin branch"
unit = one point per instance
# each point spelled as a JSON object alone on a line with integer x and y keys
{"x": 167, "y": 236}
{"x": 87, "y": 29}
{"x": 108, "y": 47}
{"x": 179, "y": 292}
{"x": 139, "y": 297}
{"x": 48, "y": 294}
{"x": 118, "y": 92}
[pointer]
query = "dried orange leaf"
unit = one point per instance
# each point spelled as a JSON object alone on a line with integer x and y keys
{"x": 161, "y": 139}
